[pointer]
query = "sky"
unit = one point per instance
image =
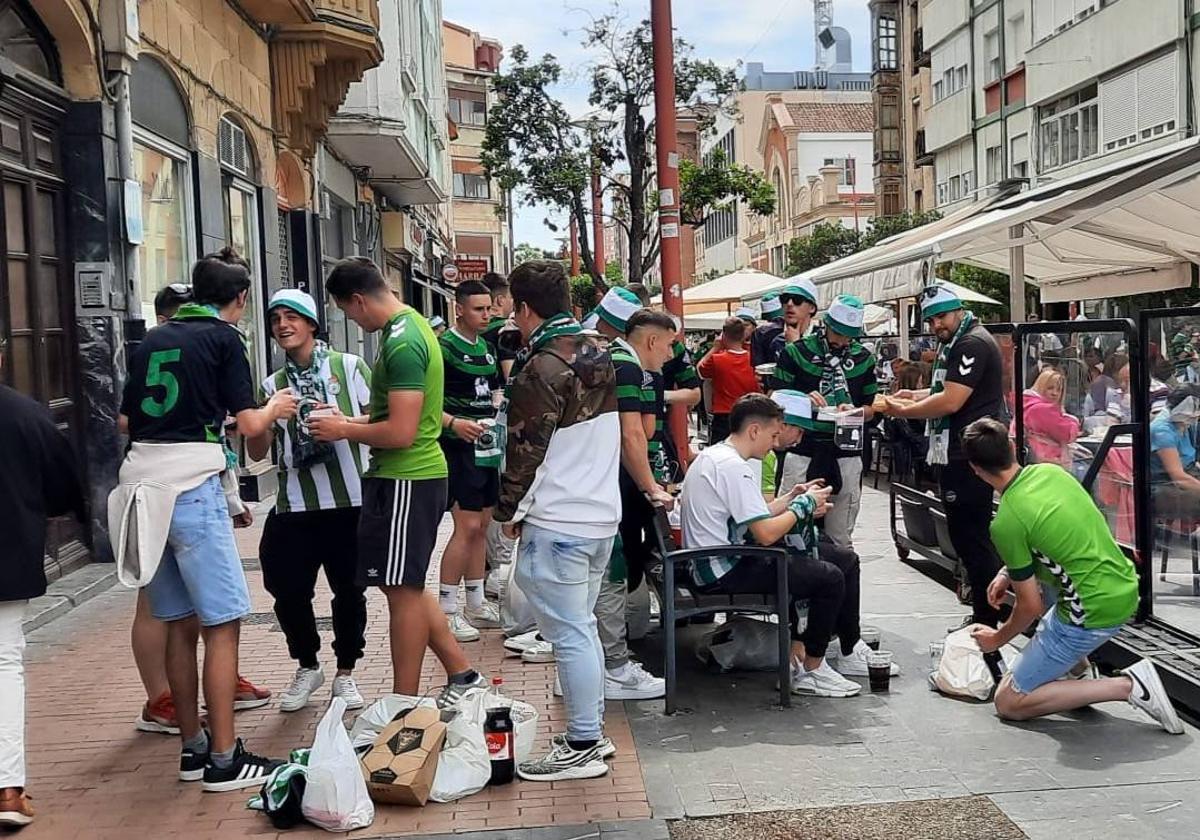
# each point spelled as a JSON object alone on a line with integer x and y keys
{"x": 778, "y": 33}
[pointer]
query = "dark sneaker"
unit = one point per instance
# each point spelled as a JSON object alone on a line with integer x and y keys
{"x": 605, "y": 748}
{"x": 192, "y": 764}
{"x": 562, "y": 763}
{"x": 246, "y": 770}
{"x": 453, "y": 692}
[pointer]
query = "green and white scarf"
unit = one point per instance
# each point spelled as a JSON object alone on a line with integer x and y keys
{"x": 834, "y": 387}
{"x": 937, "y": 429}
{"x": 310, "y": 389}
{"x": 804, "y": 534}
{"x": 556, "y": 326}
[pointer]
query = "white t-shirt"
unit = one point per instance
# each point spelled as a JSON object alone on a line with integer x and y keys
{"x": 722, "y": 495}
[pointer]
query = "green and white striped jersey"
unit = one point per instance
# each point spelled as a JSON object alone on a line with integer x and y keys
{"x": 336, "y": 483}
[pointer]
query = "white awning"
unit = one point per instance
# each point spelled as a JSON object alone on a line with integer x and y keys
{"x": 743, "y": 284}
{"x": 1121, "y": 229}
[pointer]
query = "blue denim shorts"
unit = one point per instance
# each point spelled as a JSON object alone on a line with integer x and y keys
{"x": 201, "y": 570}
{"x": 1054, "y": 650}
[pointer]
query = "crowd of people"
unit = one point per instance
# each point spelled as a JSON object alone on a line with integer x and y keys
{"x": 545, "y": 439}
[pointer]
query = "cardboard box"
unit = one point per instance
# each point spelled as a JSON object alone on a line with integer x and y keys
{"x": 400, "y": 766}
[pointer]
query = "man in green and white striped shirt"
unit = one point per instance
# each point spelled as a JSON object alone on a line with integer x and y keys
{"x": 316, "y": 512}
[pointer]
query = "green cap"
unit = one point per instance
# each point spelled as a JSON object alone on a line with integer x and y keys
{"x": 297, "y": 301}
{"x": 845, "y": 316}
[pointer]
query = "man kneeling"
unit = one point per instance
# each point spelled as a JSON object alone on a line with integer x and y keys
{"x": 722, "y": 504}
{"x": 1048, "y": 531}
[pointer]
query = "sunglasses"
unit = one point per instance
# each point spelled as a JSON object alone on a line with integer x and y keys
{"x": 794, "y": 300}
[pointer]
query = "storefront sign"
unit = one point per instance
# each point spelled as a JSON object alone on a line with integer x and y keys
{"x": 469, "y": 269}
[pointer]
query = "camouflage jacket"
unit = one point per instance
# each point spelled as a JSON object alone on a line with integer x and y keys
{"x": 564, "y": 442}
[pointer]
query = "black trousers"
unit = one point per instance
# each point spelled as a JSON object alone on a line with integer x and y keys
{"x": 637, "y": 536}
{"x": 968, "y": 503}
{"x": 718, "y": 430}
{"x": 294, "y": 547}
{"x": 831, "y": 585}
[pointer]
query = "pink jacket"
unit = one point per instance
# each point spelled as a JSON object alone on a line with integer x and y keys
{"x": 1049, "y": 430}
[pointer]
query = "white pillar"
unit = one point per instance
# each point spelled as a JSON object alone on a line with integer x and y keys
{"x": 1016, "y": 276}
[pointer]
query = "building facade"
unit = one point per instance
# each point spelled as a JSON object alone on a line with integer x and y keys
{"x": 815, "y": 154}
{"x": 721, "y": 245}
{"x": 1012, "y": 93}
{"x": 133, "y": 139}
{"x": 481, "y": 216}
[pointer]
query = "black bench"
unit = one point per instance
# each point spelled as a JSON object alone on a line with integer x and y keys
{"x": 670, "y": 575}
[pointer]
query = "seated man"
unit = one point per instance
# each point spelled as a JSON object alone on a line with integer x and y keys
{"x": 1048, "y": 531}
{"x": 722, "y": 503}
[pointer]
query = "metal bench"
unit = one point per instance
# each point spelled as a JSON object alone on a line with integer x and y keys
{"x": 670, "y": 575}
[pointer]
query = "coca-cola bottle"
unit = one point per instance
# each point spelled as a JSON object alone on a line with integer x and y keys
{"x": 498, "y": 732}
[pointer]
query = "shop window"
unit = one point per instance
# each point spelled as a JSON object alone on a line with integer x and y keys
{"x": 26, "y": 43}
{"x": 168, "y": 246}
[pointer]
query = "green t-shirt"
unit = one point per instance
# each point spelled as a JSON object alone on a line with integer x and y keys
{"x": 1048, "y": 526}
{"x": 409, "y": 360}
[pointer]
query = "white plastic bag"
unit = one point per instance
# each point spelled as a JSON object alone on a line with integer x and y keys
{"x": 335, "y": 797}
{"x": 516, "y": 616}
{"x": 742, "y": 644}
{"x": 962, "y": 671}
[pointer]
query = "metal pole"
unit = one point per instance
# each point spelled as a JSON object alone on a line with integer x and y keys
{"x": 1016, "y": 276}
{"x": 665, "y": 140}
{"x": 135, "y": 326}
{"x": 597, "y": 219}
{"x": 574, "y": 248}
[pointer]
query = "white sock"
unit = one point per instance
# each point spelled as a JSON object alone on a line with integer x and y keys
{"x": 448, "y": 598}
{"x": 474, "y": 593}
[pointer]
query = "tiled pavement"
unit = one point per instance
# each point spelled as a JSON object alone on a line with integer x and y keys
{"x": 93, "y": 777}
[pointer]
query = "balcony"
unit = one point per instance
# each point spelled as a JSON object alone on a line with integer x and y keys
{"x": 920, "y": 55}
{"x": 318, "y": 49}
{"x": 920, "y": 156}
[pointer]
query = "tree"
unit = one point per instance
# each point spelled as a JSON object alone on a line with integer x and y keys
{"x": 623, "y": 86}
{"x": 614, "y": 274}
{"x": 531, "y": 146}
{"x": 826, "y": 243}
{"x": 526, "y": 252}
{"x": 711, "y": 186}
{"x": 885, "y": 227}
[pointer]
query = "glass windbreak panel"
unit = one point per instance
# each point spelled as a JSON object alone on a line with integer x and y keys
{"x": 1077, "y": 385}
{"x": 1174, "y": 412}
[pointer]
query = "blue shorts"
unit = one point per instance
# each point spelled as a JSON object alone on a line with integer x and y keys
{"x": 1054, "y": 650}
{"x": 201, "y": 570}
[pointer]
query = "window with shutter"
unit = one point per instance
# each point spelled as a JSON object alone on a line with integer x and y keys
{"x": 1157, "y": 97}
{"x": 233, "y": 147}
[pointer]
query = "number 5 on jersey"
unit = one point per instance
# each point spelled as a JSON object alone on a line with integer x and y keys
{"x": 156, "y": 376}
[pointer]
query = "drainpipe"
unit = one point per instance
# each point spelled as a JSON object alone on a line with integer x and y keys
{"x": 135, "y": 326}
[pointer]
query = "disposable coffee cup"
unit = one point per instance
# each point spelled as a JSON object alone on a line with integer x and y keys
{"x": 870, "y": 636}
{"x": 879, "y": 670}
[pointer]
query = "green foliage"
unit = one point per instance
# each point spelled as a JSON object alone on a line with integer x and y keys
{"x": 986, "y": 282}
{"x": 614, "y": 273}
{"x": 526, "y": 252}
{"x": 826, "y": 243}
{"x": 884, "y": 227}
{"x": 583, "y": 293}
{"x": 706, "y": 188}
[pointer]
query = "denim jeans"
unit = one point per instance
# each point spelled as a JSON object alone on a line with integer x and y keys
{"x": 560, "y": 575}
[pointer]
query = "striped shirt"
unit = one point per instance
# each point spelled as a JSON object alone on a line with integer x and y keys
{"x": 640, "y": 391}
{"x": 335, "y": 483}
{"x": 806, "y": 366}
{"x": 471, "y": 376}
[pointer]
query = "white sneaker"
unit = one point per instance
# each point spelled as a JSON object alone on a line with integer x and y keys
{"x": 822, "y": 682}
{"x": 461, "y": 628}
{"x": 306, "y": 681}
{"x": 538, "y": 653}
{"x": 631, "y": 682}
{"x": 854, "y": 663}
{"x": 604, "y": 747}
{"x": 345, "y": 687}
{"x": 564, "y": 763}
{"x": 487, "y": 617}
{"x": 516, "y": 645}
{"x": 1149, "y": 695}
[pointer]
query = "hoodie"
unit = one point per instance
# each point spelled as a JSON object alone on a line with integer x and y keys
{"x": 1048, "y": 429}
{"x": 564, "y": 443}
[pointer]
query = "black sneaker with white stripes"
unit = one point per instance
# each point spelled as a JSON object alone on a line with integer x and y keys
{"x": 246, "y": 770}
{"x": 605, "y": 748}
{"x": 564, "y": 762}
{"x": 192, "y": 764}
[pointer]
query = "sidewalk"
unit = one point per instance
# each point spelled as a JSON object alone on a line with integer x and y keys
{"x": 94, "y": 777}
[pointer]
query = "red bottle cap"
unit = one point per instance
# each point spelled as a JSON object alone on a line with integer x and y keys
{"x": 497, "y": 681}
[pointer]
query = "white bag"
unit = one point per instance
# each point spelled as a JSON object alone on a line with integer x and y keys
{"x": 963, "y": 672}
{"x": 516, "y": 616}
{"x": 335, "y": 796}
{"x": 742, "y": 644}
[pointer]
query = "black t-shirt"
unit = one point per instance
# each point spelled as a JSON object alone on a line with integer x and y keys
{"x": 974, "y": 361}
{"x": 184, "y": 379}
{"x": 492, "y": 336}
{"x": 762, "y": 340}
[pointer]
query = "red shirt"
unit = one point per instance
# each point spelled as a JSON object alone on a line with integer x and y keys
{"x": 732, "y": 377}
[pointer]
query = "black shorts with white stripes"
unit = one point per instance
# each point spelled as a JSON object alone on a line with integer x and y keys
{"x": 398, "y": 529}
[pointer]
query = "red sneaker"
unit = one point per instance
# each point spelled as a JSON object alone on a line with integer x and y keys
{"x": 249, "y": 696}
{"x": 159, "y": 716}
{"x": 15, "y": 810}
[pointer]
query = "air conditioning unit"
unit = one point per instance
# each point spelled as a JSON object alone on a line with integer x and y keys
{"x": 233, "y": 147}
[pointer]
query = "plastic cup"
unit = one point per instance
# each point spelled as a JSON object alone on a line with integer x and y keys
{"x": 936, "y": 649}
{"x": 870, "y": 636}
{"x": 879, "y": 670}
{"x": 322, "y": 412}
